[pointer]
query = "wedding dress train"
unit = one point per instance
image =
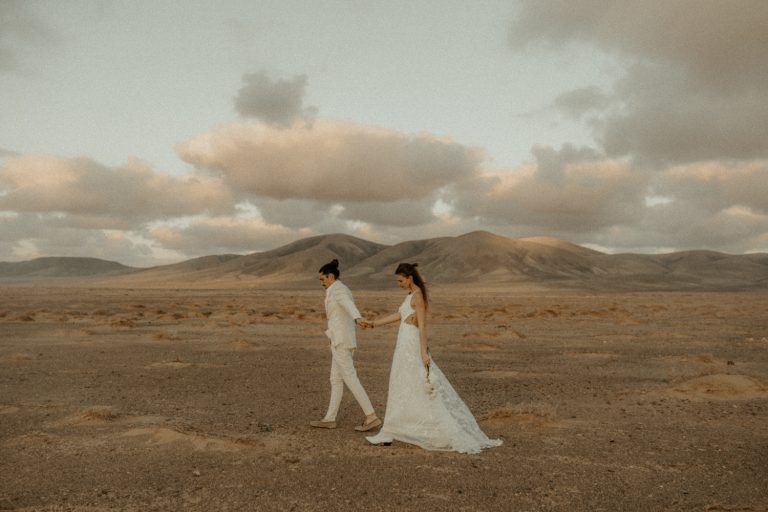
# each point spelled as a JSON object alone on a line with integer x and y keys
{"x": 422, "y": 406}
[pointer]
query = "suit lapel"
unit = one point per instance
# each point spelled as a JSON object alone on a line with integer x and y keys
{"x": 329, "y": 298}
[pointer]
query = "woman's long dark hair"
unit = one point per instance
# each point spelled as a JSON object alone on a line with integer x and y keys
{"x": 409, "y": 270}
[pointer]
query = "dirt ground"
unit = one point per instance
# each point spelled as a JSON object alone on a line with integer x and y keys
{"x": 128, "y": 399}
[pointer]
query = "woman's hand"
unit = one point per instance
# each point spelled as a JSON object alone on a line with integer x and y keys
{"x": 425, "y": 359}
{"x": 364, "y": 324}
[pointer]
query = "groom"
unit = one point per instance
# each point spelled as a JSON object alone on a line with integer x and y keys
{"x": 342, "y": 317}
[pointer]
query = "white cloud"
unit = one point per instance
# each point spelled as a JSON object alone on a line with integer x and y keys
{"x": 571, "y": 190}
{"x": 218, "y": 235}
{"x": 332, "y": 161}
{"x": 334, "y": 172}
{"x": 92, "y": 195}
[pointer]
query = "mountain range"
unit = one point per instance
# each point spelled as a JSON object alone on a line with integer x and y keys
{"x": 478, "y": 258}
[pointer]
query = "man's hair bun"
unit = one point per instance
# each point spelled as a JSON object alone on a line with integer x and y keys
{"x": 331, "y": 268}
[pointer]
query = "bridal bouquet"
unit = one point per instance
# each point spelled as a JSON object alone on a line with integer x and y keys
{"x": 431, "y": 385}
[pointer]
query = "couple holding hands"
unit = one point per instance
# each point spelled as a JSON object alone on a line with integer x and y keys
{"x": 422, "y": 407}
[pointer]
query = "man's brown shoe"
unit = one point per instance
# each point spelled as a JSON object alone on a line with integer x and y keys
{"x": 365, "y": 427}
{"x": 323, "y": 424}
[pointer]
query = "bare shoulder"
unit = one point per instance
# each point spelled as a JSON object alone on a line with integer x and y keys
{"x": 417, "y": 299}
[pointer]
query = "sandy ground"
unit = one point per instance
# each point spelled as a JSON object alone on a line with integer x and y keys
{"x": 200, "y": 400}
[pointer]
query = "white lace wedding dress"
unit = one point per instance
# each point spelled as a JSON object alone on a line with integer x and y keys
{"x": 422, "y": 407}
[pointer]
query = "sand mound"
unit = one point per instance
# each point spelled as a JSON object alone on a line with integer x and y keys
{"x": 502, "y": 331}
{"x": 98, "y": 415}
{"x": 157, "y": 436}
{"x": 498, "y": 373}
{"x": 102, "y": 415}
{"x": 591, "y": 355}
{"x": 702, "y": 358}
{"x": 165, "y": 336}
{"x": 485, "y": 334}
{"x": 122, "y": 322}
{"x": 532, "y": 414}
{"x": 69, "y": 508}
{"x": 18, "y": 357}
{"x": 542, "y": 313}
{"x": 169, "y": 364}
{"x": 721, "y": 387}
{"x": 36, "y": 439}
{"x": 474, "y": 346}
{"x": 242, "y": 346}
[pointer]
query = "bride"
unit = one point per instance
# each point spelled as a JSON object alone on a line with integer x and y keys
{"x": 422, "y": 406}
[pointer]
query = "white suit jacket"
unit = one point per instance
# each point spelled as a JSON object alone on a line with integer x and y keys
{"x": 341, "y": 312}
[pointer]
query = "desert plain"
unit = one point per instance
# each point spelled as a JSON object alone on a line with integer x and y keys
{"x": 199, "y": 399}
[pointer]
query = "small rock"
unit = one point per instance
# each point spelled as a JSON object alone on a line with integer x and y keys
{"x": 196, "y": 472}
{"x": 731, "y": 363}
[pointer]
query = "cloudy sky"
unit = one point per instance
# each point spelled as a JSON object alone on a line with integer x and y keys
{"x": 149, "y": 132}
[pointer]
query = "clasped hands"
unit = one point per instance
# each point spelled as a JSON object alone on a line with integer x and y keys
{"x": 364, "y": 324}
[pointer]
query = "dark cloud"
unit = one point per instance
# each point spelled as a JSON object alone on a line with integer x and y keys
{"x": 682, "y": 225}
{"x": 317, "y": 216}
{"x": 276, "y": 102}
{"x": 719, "y": 45}
{"x": 395, "y": 213}
{"x": 7, "y": 152}
{"x": 583, "y": 196}
{"x": 663, "y": 121}
{"x": 331, "y": 217}
{"x": 21, "y": 30}
{"x": 695, "y": 85}
{"x": 578, "y": 102}
{"x": 29, "y": 235}
{"x": 686, "y": 115}
{"x": 294, "y": 213}
{"x": 716, "y": 186}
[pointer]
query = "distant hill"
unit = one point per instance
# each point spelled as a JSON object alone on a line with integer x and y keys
{"x": 304, "y": 257}
{"x": 477, "y": 258}
{"x": 59, "y": 267}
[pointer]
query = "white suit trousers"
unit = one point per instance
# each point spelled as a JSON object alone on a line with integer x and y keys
{"x": 343, "y": 372}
